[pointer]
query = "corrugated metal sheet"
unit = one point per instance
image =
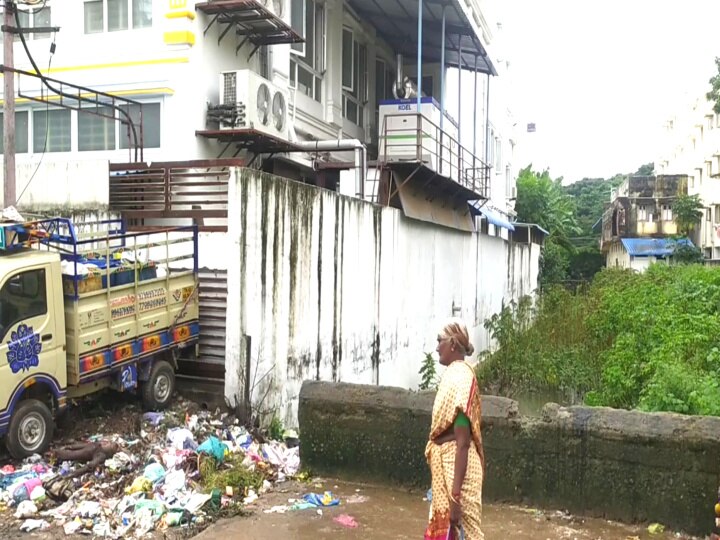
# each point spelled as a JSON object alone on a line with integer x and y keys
{"x": 423, "y": 203}
{"x": 213, "y": 308}
{"x": 653, "y": 247}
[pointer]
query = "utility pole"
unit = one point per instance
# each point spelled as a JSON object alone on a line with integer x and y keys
{"x": 9, "y": 191}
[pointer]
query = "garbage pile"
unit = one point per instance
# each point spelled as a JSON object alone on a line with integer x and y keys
{"x": 181, "y": 470}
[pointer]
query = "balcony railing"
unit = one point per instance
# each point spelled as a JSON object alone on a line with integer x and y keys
{"x": 414, "y": 138}
{"x": 172, "y": 190}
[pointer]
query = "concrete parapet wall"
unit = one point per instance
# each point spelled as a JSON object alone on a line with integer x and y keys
{"x": 622, "y": 465}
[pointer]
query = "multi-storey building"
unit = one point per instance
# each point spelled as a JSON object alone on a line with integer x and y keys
{"x": 638, "y": 225}
{"x": 692, "y": 147}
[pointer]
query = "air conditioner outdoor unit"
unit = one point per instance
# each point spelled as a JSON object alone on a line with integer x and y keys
{"x": 276, "y": 6}
{"x": 251, "y": 102}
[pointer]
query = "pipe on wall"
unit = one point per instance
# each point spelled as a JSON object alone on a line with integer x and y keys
{"x": 339, "y": 145}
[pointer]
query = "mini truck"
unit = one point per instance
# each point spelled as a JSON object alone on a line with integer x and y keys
{"x": 85, "y": 307}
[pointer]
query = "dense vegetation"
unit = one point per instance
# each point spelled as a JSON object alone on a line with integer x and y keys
{"x": 649, "y": 341}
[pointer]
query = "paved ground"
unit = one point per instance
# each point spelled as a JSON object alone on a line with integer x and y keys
{"x": 396, "y": 515}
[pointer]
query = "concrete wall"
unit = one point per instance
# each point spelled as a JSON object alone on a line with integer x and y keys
{"x": 622, "y": 465}
{"x": 322, "y": 286}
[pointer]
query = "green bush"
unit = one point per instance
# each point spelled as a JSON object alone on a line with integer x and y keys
{"x": 648, "y": 341}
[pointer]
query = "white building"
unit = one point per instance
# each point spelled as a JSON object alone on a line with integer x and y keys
{"x": 320, "y": 70}
{"x": 692, "y": 147}
{"x": 169, "y": 57}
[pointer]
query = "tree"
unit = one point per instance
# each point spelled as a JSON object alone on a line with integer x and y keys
{"x": 714, "y": 94}
{"x": 543, "y": 200}
{"x": 590, "y": 196}
{"x": 646, "y": 170}
{"x": 688, "y": 211}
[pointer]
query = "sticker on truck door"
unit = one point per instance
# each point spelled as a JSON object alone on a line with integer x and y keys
{"x": 24, "y": 349}
{"x": 128, "y": 377}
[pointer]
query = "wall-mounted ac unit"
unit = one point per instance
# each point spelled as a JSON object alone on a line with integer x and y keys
{"x": 252, "y": 102}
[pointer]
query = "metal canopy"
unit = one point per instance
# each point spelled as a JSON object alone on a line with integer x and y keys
{"x": 396, "y": 23}
{"x": 252, "y": 20}
{"x": 252, "y": 140}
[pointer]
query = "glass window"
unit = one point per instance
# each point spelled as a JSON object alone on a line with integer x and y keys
{"x": 95, "y": 132}
{"x": 21, "y": 132}
{"x": 297, "y": 21}
{"x": 40, "y": 19}
{"x": 142, "y": 13}
{"x": 22, "y": 297}
{"x": 117, "y": 18}
{"x": 347, "y": 59}
{"x": 306, "y": 69}
{"x": 94, "y": 17}
{"x": 56, "y": 123}
{"x": 380, "y": 83}
{"x": 150, "y": 125}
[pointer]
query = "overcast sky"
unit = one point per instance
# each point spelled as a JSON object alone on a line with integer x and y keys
{"x": 600, "y": 78}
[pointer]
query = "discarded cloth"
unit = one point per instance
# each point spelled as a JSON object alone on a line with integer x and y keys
{"x": 326, "y": 499}
{"x": 346, "y": 521}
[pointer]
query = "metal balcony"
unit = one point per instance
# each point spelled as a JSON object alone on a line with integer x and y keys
{"x": 418, "y": 145}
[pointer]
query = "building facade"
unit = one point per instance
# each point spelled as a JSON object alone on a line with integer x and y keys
{"x": 303, "y": 90}
{"x": 334, "y": 62}
{"x": 638, "y": 225}
{"x": 692, "y": 147}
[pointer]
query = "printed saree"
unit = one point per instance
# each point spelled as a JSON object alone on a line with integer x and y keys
{"x": 458, "y": 392}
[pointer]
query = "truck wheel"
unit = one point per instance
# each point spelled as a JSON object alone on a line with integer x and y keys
{"x": 157, "y": 391}
{"x": 31, "y": 429}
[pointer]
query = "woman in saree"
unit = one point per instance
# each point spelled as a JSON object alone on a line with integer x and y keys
{"x": 454, "y": 451}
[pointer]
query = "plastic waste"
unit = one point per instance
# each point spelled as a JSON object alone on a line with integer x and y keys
{"x": 214, "y": 448}
{"x": 154, "y": 472}
{"x": 34, "y": 525}
{"x": 88, "y": 509}
{"x": 154, "y": 418}
{"x": 140, "y": 484}
{"x": 38, "y": 494}
{"x": 157, "y": 508}
{"x": 22, "y": 492}
{"x": 326, "y": 499}
{"x": 182, "y": 439}
{"x": 346, "y": 521}
{"x": 26, "y": 509}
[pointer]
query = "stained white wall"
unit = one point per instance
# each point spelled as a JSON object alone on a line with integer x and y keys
{"x": 322, "y": 286}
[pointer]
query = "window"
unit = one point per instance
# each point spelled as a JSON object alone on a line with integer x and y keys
{"x": 115, "y": 15}
{"x": 348, "y": 68}
{"x": 307, "y": 63}
{"x": 355, "y": 96}
{"x": 642, "y": 213}
{"x": 264, "y": 61}
{"x": 21, "y": 132}
{"x": 667, "y": 214}
{"x": 34, "y": 19}
{"x": 498, "y": 155}
{"x": 22, "y": 297}
{"x": 708, "y": 215}
{"x": 56, "y": 123}
{"x": 717, "y": 213}
{"x": 150, "y": 122}
{"x": 96, "y": 132}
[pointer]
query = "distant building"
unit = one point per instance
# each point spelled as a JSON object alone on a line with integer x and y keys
{"x": 638, "y": 226}
{"x": 692, "y": 147}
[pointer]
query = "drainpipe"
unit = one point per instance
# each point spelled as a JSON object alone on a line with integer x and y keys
{"x": 345, "y": 145}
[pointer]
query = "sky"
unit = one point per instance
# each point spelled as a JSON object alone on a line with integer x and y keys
{"x": 599, "y": 78}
